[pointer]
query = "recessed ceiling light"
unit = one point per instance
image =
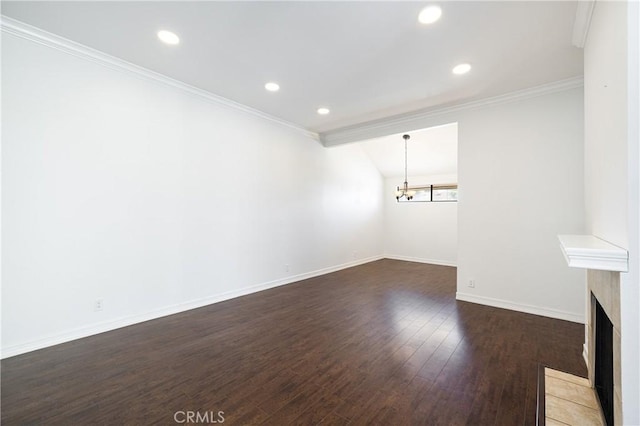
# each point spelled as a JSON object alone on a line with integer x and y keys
{"x": 168, "y": 37}
{"x": 429, "y": 14}
{"x": 323, "y": 111}
{"x": 272, "y": 87}
{"x": 461, "y": 69}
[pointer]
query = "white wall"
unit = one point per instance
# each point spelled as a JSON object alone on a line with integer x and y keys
{"x": 605, "y": 124}
{"x": 520, "y": 176}
{"x": 155, "y": 200}
{"x": 420, "y": 232}
{"x": 611, "y": 165}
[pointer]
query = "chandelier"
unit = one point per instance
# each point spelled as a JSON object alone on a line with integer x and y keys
{"x": 405, "y": 191}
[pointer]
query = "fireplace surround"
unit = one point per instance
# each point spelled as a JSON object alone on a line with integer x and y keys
{"x": 604, "y": 289}
{"x": 604, "y": 262}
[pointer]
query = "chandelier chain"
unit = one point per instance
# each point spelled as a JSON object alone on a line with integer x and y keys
{"x": 405, "y": 161}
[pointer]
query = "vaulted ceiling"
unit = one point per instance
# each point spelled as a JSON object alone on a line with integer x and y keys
{"x": 432, "y": 151}
{"x": 362, "y": 60}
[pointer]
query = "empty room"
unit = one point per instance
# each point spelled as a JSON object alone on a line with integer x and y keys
{"x": 320, "y": 212}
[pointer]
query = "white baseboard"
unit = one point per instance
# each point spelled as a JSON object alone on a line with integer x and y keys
{"x": 93, "y": 329}
{"x": 420, "y": 260}
{"x": 521, "y": 307}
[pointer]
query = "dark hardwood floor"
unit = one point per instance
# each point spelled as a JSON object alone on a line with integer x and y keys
{"x": 384, "y": 343}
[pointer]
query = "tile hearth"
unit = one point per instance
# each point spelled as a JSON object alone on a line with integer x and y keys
{"x": 570, "y": 400}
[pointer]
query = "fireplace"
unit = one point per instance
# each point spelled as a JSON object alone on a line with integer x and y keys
{"x": 602, "y": 348}
{"x": 603, "y": 362}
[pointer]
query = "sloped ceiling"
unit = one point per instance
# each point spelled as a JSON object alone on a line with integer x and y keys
{"x": 363, "y": 60}
{"x": 432, "y": 151}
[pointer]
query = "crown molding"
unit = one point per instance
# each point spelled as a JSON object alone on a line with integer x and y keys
{"x": 582, "y": 22}
{"x": 415, "y": 119}
{"x": 37, "y": 35}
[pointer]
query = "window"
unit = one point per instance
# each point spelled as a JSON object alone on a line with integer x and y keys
{"x": 433, "y": 193}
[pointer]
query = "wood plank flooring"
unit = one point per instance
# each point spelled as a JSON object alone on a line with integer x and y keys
{"x": 381, "y": 343}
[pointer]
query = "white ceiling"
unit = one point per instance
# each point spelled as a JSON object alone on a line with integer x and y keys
{"x": 432, "y": 151}
{"x": 363, "y": 60}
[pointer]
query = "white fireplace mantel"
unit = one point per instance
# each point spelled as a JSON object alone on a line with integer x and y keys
{"x": 589, "y": 252}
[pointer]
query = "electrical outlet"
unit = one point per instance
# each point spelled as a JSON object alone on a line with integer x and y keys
{"x": 472, "y": 283}
{"x": 286, "y": 268}
{"x": 98, "y": 305}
